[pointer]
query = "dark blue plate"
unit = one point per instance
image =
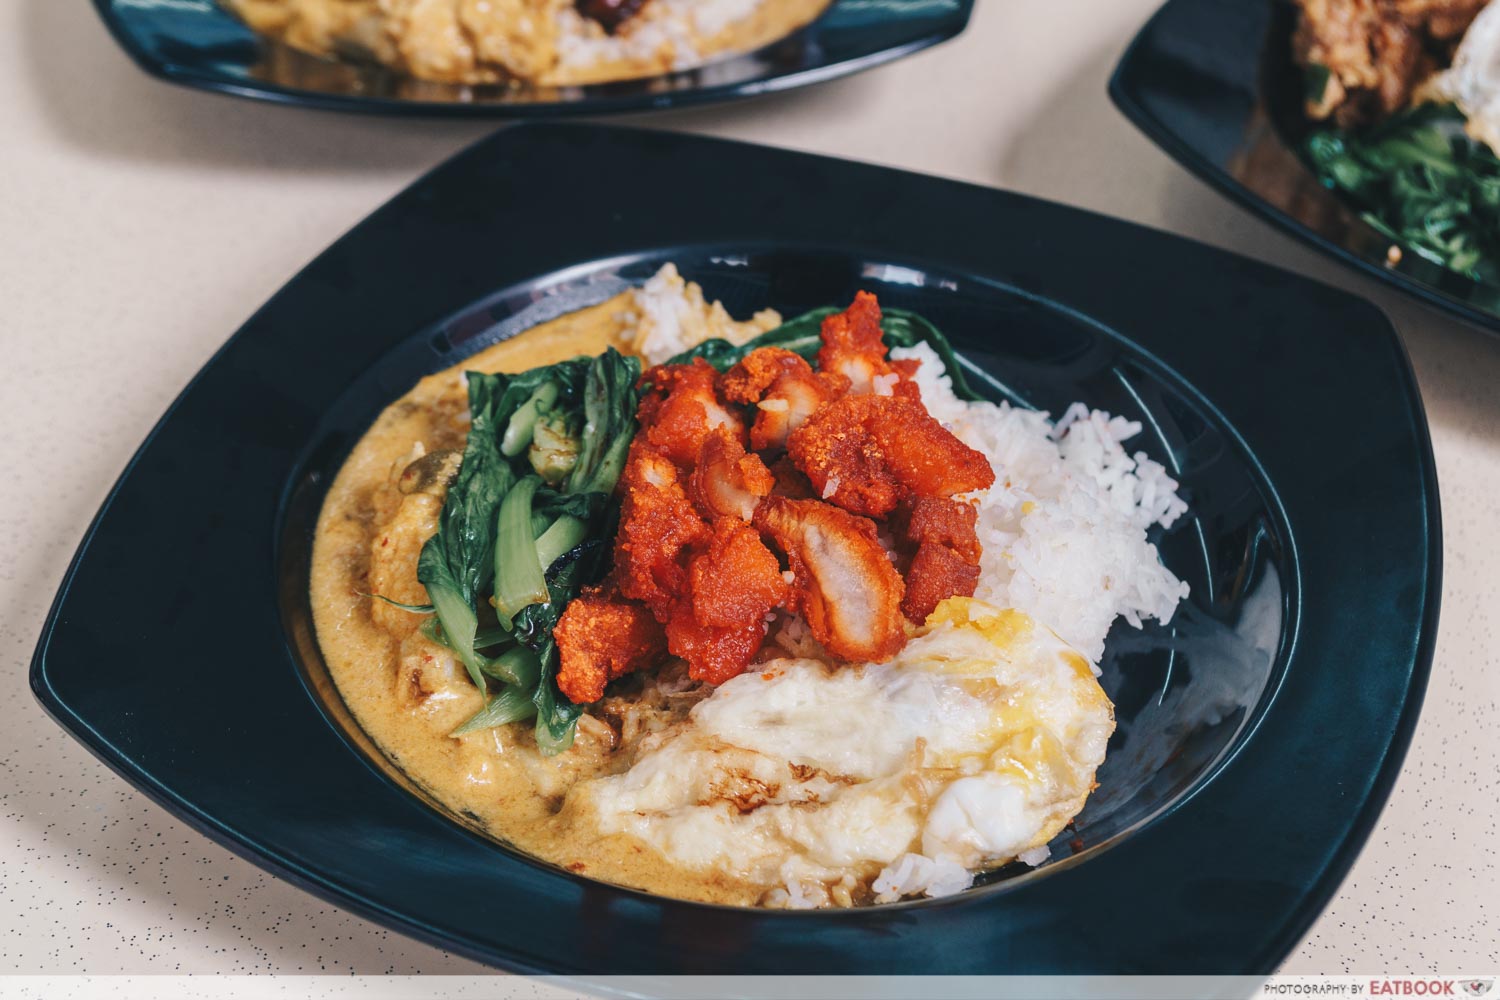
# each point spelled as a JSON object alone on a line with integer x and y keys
{"x": 200, "y": 44}
{"x": 1212, "y": 82}
{"x": 1258, "y": 736}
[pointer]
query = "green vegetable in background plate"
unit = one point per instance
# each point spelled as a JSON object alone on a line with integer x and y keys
{"x": 1422, "y": 182}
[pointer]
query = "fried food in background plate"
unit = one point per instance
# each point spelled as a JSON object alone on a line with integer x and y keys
{"x": 547, "y": 43}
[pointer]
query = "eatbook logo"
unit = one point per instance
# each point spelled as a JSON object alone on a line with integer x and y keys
{"x": 1476, "y": 987}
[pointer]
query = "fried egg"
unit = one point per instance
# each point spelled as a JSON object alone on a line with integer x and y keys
{"x": 977, "y": 744}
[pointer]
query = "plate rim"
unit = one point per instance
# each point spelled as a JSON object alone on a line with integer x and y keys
{"x": 1311, "y": 901}
{"x": 283, "y": 96}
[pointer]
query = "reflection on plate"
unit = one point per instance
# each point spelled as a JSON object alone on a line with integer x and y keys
{"x": 1214, "y": 84}
{"x": 1287, "y": 688}
{"x": 199, "y": 43}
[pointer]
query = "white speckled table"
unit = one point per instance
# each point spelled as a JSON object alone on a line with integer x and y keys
{"x": 142, "y": 224}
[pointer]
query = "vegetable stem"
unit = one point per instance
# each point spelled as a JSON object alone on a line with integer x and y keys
{"x": 611, "y": 466}
{"x": 513, "y": 705}
{"x": 518, "y": 666}
{"x": 459, "y": 625}
{"x": 519, "y": 580}
{"x": 566, "y": 534}
{"x": 609, "y": 424}
{"x": 492, "y": 636}
{"x": 522, "y": 425}
{"x": 554, "y": 450}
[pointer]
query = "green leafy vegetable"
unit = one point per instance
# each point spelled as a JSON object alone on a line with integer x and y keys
{"x": 518, "y": 569}
{"x": 556, "y": 716}
{"x": 554, "y": 449}
{"x": 511, "y": 706}
{"x": 517, "y": 666}
{"x": 514, "y": 545}
{"x": 1423, "y": 183}
{"x": 609, "y": 403}
{"x": 565, "y": 534}
{"x": 494, "y": 635}
{"x": 519, "y": 431}
{"x": 802, "y": 335}
{"x": 457, "y": 563}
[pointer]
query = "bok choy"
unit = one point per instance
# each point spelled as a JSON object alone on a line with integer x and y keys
{"x": 526, "y": 524}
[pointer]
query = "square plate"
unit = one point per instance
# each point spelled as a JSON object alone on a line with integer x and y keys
{"x": 200, "y": 44}
{"x": 1212, "y": 82}
{"x": 1258, "y": 737}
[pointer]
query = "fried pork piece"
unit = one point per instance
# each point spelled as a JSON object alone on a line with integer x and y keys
{"x": 866, "y": 452}
{"x": 728, "y": 482}
{"x": 682, "y": 408}
{"x": 602, "y": 636}
{"x": 936, "y": 574}
{"x": 713, "y": 655}
{"x": 658, "y": 526}
{"x": 1377, "y": 52}
{"x": 735, "y": 582}
{"x": 922, "y": 521}
{"x": 845, "y": 585}
{"x": 938, "y": 537}
{"x": 790, "y": 482}
{"x": 784, "y": 390}
{"x": 854, "y": 347}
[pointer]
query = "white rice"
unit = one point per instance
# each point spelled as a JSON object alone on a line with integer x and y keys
{"x": 668, "y": 314}
{"x": 1035, "y": 856}
{"x": 1064, "y": 527}
{"x": 918, "y": 874}
{"x": 911, "y": 874}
